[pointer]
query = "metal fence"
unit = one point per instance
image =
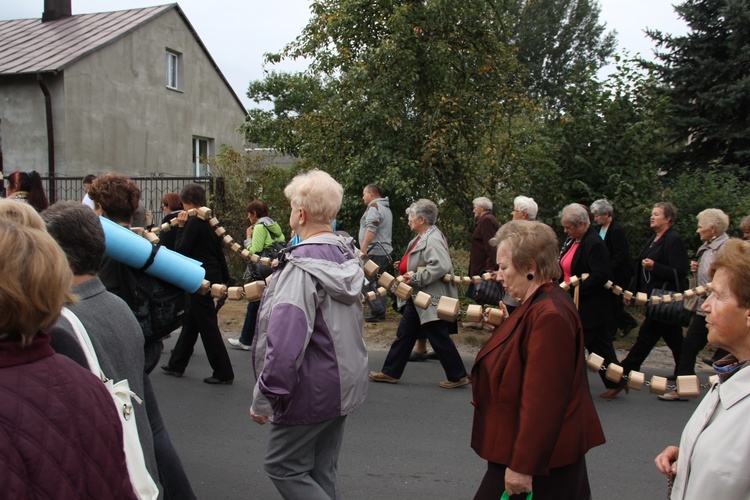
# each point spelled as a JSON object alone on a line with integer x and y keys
{"x": 153, "y": 187}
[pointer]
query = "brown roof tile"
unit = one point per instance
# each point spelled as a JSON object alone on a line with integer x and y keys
{"x": 31, "y": 46}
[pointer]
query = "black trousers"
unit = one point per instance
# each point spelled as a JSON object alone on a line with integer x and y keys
{"x": 377, "y": 306}
{"x": 696, "y": 339}
{"x": 437, "y": 332}
{"x": 597, "y": 339}
{"x": 569, "y": 482}
{"x": 649, "y": 334}
{"x": 200, "y": 318}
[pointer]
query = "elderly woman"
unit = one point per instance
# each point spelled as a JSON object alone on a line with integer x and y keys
{"x": 309, "y": 354}
{"x": 482, "y": 254}
{"x": 714, "y": 451}
{"x": 619, "y": 258}
{"x": 712, "y": 227}
{"x": 263, "y": 235}
{"x": 59, "y": 431}
{"x": 534, "y": 419}
{"x": 429, "y": 260}
{"x": 663, "y": 263}
{"x": 588, "y": 254}
{"x": 196, "y": 239}
{"x": 524, "y": 208}
{"x": 745, "y": 228}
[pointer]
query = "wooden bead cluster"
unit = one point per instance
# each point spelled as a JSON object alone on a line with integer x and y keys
{"x": 641, "y": 299}
{"x": 448, "y": 308}
{"x": 688, "y": 386}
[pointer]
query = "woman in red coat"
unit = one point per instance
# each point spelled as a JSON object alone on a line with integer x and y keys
{"x": 534, "y": 419}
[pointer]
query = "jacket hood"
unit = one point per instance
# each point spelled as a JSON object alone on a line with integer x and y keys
{"x": 382, "y": 201}
{"x": 332, "y": 259}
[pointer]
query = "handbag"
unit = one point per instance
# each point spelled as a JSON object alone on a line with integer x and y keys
{"x": 143, "y": 484}
{"x": 487, "y": 292}
{"x": 505, "y": 495}
{"x": 691, "y": 303}
{"x": 673, "y": 313}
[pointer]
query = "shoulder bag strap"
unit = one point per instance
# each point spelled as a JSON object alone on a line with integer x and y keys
{"x": 85, "y": 341}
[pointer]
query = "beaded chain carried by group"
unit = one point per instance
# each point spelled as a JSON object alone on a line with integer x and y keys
{"x": 448, "y": 308}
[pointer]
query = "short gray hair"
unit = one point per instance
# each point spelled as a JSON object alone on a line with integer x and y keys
{"x": 483, "y": 202}
{"x": 526, "y": 205}
{"x": 78, "y": 231}
{"x": 713, "y": 217}
{"x": 424, "y": 208}
{"x": 575, "y": 214}
{"x": 602, "y": 207}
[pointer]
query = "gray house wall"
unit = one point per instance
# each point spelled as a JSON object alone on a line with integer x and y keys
{"x": 114, "y": 111}
{"x": 23, "y": 122}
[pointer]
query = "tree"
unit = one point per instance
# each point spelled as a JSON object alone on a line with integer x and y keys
{"x": 427, "y": 98}
{"x": 706, "y": 76}
{"x": 560, "y": 42}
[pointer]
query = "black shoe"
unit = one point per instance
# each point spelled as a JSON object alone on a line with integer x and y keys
{"x": 215, "y": 381}
{"x": 375, "y": 318}
{"x": 672, "y": 378}
{"x": 171, "y": 371}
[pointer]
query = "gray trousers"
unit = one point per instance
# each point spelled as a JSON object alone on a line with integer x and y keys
{"x": 302, "y": 460}
{"x": 377, "y": 306}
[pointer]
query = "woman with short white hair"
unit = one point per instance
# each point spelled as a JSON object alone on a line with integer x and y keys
{"x": 426, "y": 261}
{"x": 309, "y": 354}
{"x": 712, "y": 228}
{"x": 524, "y": 208}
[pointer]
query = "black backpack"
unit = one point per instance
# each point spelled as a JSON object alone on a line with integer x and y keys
{"x": 158, "y": 306}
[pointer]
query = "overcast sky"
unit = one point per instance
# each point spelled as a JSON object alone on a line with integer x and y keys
{"x": 238, "y": 32}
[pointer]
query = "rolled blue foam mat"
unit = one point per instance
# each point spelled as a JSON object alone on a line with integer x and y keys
{"x": 123, "y": 245}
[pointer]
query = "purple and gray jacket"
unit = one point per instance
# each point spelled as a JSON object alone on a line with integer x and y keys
{"x": 309, "y": 354}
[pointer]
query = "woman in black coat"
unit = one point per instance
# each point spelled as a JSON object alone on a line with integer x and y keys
{"x": 663, "y": 263}
{"x": 587, "y": 254}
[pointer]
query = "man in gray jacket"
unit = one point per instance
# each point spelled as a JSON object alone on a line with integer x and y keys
{"x": 375, "y": 227}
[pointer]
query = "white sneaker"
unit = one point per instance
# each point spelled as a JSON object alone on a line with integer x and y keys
{"x": 239, "y": 345}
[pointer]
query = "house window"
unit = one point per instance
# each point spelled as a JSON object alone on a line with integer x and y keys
{"x": 202, "y": 148}
{"x": 174, "y": 70}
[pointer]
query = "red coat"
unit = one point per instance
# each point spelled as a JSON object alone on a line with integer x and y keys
{"x": 533, "y": 409}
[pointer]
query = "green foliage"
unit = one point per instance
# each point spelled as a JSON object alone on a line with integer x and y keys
{"x": 706, "y": 75}
{"x": 695, "y": 191}
{"x": 246, "y": 177}
{"x": 611, "y": 145}
{"x": 559, "y": 41}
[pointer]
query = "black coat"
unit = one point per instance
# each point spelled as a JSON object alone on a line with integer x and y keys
{"x": 596, "y": 306}
{"x": 669, "y": 256}
{"x": 619, "y": 254}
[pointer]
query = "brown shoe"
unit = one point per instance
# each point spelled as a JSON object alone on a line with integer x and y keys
{"x": 612, "y": 393}
{"x": 447, "y": 384}
{"x": 382, "y": 377}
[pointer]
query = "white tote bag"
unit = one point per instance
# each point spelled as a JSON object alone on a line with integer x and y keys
{"x": 143, "y": 484}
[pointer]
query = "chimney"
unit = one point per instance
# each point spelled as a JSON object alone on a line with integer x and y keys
{"x": 56, "y": 9}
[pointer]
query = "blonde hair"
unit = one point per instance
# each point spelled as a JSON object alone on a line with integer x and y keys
{"x": 318, "y": 193}
{"x": 36, "y": 282}
{"x": 20, "y": 213}
{"x": 713, "y": 217}
{"x": 529, "y": 242}
{"x": 734, "y": 257}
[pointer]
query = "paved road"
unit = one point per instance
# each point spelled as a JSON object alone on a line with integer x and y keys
{"x": 409, "y": 440}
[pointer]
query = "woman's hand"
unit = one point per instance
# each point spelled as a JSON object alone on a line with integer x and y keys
{"x": 182, "y": 218}
{"x": 258, "y": 419}
{"x": 249, "y": 232}
{"x": 666, "y": 462}
{"x": 648, "y": 264}
{"x": 516, "y": 483}
{"x": 693, "y": 266}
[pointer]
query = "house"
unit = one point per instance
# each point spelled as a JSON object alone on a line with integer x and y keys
{"x": 133, "y": 91}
